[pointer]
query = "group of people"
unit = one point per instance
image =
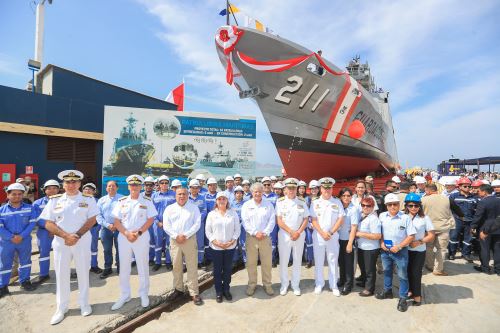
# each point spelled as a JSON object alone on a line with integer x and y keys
{"x": 407, "y": 227}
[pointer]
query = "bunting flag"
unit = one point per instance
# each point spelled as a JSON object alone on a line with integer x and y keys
{"x": 232, "y": 10}
{"x": 256, "y": 24}
{"x": 176, "y": 96}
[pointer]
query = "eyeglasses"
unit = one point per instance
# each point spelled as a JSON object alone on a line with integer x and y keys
{"x": 413, "y": 206}
{"x": 466, "y": 186}
{"x": 392, "y": 204}
{"x": 346, "y": 195}
{"x": 267, "y": 184}
{"x": 366, "y": 206}
{"x": 164, "y": 183}
{"x": 148, "y": 184}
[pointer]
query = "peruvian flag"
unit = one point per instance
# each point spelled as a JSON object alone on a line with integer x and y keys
{"x": 176, "y": 96}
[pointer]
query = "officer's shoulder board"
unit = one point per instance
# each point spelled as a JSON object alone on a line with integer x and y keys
{"x": 315, "y": 198}
{"x": 301, "y": 199}
{"x": 87, "y": 195}
{"x": 281, "y": 199}
{"x": 122, "y": 198}
{"x": 55, "y": 196}
{"x": 145, "y": 197}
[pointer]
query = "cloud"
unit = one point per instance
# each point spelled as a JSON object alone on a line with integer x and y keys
{"x": 429, "y": 54}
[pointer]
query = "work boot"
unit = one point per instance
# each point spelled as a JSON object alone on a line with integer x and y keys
{"x": 227, "y": 295}
{"x": 402, "y": 305}
{"x": 151, "y": 262}
{"x": 451, "y": 257}
{"x": 96, "y": 270}
{"x": 386, "y": 294}
{"x": 134, "y": 264}
{"x": 73, "y": 275}
{"x": 26, "y": 285}
{"x": 197, "y": 300}
{"x": 218, "y": 298}
{"x": 250, "y": 291}
{"x": 169, "y": 267}
{"x": 4, "y": 291}
{"x": 468, "y": 258}
{"x": 309, "y": 264}
{"x": 41, "y": 279}
{"x": 107, "y": 272}
{"x": 156, "y": 267}
{"x": 269, "y": 290}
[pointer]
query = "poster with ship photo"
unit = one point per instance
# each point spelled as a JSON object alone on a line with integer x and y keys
{"x": 180, "y": 145}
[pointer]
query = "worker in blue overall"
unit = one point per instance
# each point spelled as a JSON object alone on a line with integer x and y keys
{"x": 44, "y": 238}
{"x": 211, "y": 194}
{"x": 162, "y": 199}
{"x": 240, "y": 255}
{"x": 202, "y": 179}
{"x": 149, "y": 185}
{"x": 91, "y": 190}
{"x": 309, "y": 253}
{"x": 17, "y": 219}
{"x": 247, "y": 194}
{"x": 271, "y": 197}
{"x": 199, "y": 201}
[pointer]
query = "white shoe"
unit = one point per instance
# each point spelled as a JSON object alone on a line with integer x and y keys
{"x": 121, "y": 302}
{"x": 58, "y": 317}
{"x": 86, "y": 310}
{"x": 317, "y": 290}
{"x": 296, "y": 292}
{"x": 336, "y": 292}
{"x": 145, "y": 301}
{"x": 283, "y": 291}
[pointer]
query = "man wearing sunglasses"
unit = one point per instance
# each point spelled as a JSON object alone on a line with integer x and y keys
{"x": 271, "y": 197}
{"x": 467, "y": 203}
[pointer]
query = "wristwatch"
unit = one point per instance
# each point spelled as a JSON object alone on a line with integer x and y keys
{"x": 330, "y": 232}
{"x": 140, "y": 233}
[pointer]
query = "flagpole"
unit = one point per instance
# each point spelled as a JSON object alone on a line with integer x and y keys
{"x": 227, "y": 12}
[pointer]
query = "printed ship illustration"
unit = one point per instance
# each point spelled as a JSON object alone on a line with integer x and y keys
{"x": 219, "y": 159}
{"x": 131, "y": 151}
{"x": 324, "y": 121}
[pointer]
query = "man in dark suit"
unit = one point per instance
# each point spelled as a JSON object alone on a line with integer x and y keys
{"x": 486, "y": 221}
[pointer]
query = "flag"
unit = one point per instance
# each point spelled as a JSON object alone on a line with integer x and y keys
{"x": 232, "y": 10}
{"x": 176, "y": 96}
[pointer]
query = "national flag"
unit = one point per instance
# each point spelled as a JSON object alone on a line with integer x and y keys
{"x": 232, "y": 10}
{"x": 176, "y": 96}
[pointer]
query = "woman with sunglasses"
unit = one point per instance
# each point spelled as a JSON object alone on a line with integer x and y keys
{"x": 347, "y": 233}
{"x": 361, "y": 193}
{"x": 309, "y": 253}
{"x": 368, "y": 236}
{"x": 416, "y": 254}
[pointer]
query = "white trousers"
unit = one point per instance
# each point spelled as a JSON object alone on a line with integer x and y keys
{"x": 63, "y": 254}
{"x": 140, "y": 249}
{"x": 285, "y": 245}
{"x": 331, "y": 248}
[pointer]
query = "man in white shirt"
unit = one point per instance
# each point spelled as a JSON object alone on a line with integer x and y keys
{"x": 258, "y": 218}
{"x": 69, "y": 217}
{"x": 181, "y": 221}
{"x": 292, "y": 215}
{"x": 134, "y": 214}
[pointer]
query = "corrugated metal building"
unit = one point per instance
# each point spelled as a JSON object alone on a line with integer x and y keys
{"x": 61, "y": 126}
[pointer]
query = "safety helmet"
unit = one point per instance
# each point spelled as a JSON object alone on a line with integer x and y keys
{"x": 477, "y": 183}
{"x": 51, "y": 182}
{"x": 464, "y": 180}
{"x": 413, "y": 197}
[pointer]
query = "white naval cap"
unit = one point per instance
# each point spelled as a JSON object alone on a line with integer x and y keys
{"x": 229, "y": 178}
{"x": 238, "y": 189}
{"x": 176, "y": 183}
{"x": 391, "y": 197}
{"x": 15, "y": 186}
{"x": 313, "y": 183}
{"x": 201, "y": 177}
{"x": 194, "y": 183}
{"x": 278, "y": 185}
{"x": 149, "y": 179}
{"x": 237, "y": 176}
{"x": 164, "y": 177}
{"x": 327, "y": 182}
{"x": 265, "y": 180}
{"x": 273, "y": 178}
{"x": 70, "y": 175}
{"x": 291, "y": 182}
{"x": 135, "y": 180}
{"x": 51, "y": 182}
{"x": 396, "y": 179}
{"x": 211, "y": 180}
{"x": 221, "y": 194}
{"x": 91, "y": 185}
{"x": 245, "y": 182}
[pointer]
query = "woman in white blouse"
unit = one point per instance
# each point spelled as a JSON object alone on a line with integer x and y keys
{"x": 361, "y": 193}
{"x": 222, "y": 230}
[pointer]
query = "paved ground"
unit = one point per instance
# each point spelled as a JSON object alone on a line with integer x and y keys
{"x": 465, "y": 301}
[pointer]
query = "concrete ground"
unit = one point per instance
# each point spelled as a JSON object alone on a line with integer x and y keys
{"x": 31, "y": 311}
{"x": 465, "y": 301}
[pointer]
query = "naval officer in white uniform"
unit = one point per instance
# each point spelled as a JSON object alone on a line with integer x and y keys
{"x": 292, "y": 216}
{"x": 69, "y": 217}
{"x": 134, "y": 214}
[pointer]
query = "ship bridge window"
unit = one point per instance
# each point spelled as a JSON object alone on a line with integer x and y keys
{"x": 315, "y": 69}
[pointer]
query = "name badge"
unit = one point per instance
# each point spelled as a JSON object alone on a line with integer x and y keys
{"x": 143, "y": 207}
{"x": 83, "y": 204}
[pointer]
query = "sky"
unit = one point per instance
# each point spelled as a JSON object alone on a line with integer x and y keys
{"x": 437, "y": 58}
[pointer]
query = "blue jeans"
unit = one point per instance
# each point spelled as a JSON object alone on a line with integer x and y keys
{"x": 401, "y": 261}
{"x": 460, "y": 226}
{"x": 109, "y": 237}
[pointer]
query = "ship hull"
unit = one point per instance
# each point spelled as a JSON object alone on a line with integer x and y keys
{"x": 227, "y": 164}
{"x": 310, "y": 116}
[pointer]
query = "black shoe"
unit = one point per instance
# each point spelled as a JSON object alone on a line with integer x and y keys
{"x": 402, "y": 305}
{"x": 42, "y": 279}
{"x": 134, "y": 264}
{"x": 468, "y": 258}
{"x": 118, "y": 270}
{"x": 169, "y": 267}
{"x": 156, "y": 267}
{"x": 105, "y": 273}
{"x": 359, "y": 278}
{"x": 151, "y": 262}
{"x": 73, "y": 275}
{"x": 309, "y": 264}
{"x": 4, "y": 291}
{"x": 415, "y": 303}
{"x": 227, "y": 295}
{"x": 176, "y": 293}
{"x": 197, "y": 300}
{"x": 184, "y": 269}
{"x": 200, "y": 266}
{"x": 275, "y": 264}
{"x": 340, "y": 284}
{"x": 290, "y": 264}
{"x": 26, "y": 285}
{"x": 384, "y": 295}
{"x": 218, "y": 298}
{"x": 345, "y": 291}
{"x": 365, "y": 293}
{"x": 451, "y": 257}
{"x": 360, "y": 284}
{"x": 96, "y": 270}
{"x": 482, "y": 270}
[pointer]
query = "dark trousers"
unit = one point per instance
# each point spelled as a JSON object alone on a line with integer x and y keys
{"x": 460, "y": 227}
{"x": 491, "y": 243}
{"x": 223, "y": 265}
{"x": 346, "y": 266}
{"x": 367, "y": 261}
{"x": 416, "y": 261}
{"x": 108, "y": 239}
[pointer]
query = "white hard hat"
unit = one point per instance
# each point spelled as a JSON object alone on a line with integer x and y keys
{"x": 194, "y": 183}
{"x": 91, "y": 185}
{"x": 211, "y": 180}
{"x": 313, "y": 183}
{"x": 201, "y": 177}
{"x": 278, "y": 185}
{"x": 238, "y": 189}
{"x": 176, "y": 183}
{"x": 163, "y": 177}
{"x": 302, "y": 183}
{"x": 495, "y": 183}
{"x": 221, "y": 194}
{"x": 486, "y": 182}
{"x": 273, "y": 178}
{"x": 391, "y": 197}
{"x": 237, "y": 176}
{"x": 51, "y": 182}
{"x": 229, "y": 178}
{"x": 419, "y": 180}
{"x": 245, "y": 182}
{"x": 16, "y": 186}
{"x": 396, "y": 179}
{"x": 149, "y": 179}
{"x": 266, "y": 179}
